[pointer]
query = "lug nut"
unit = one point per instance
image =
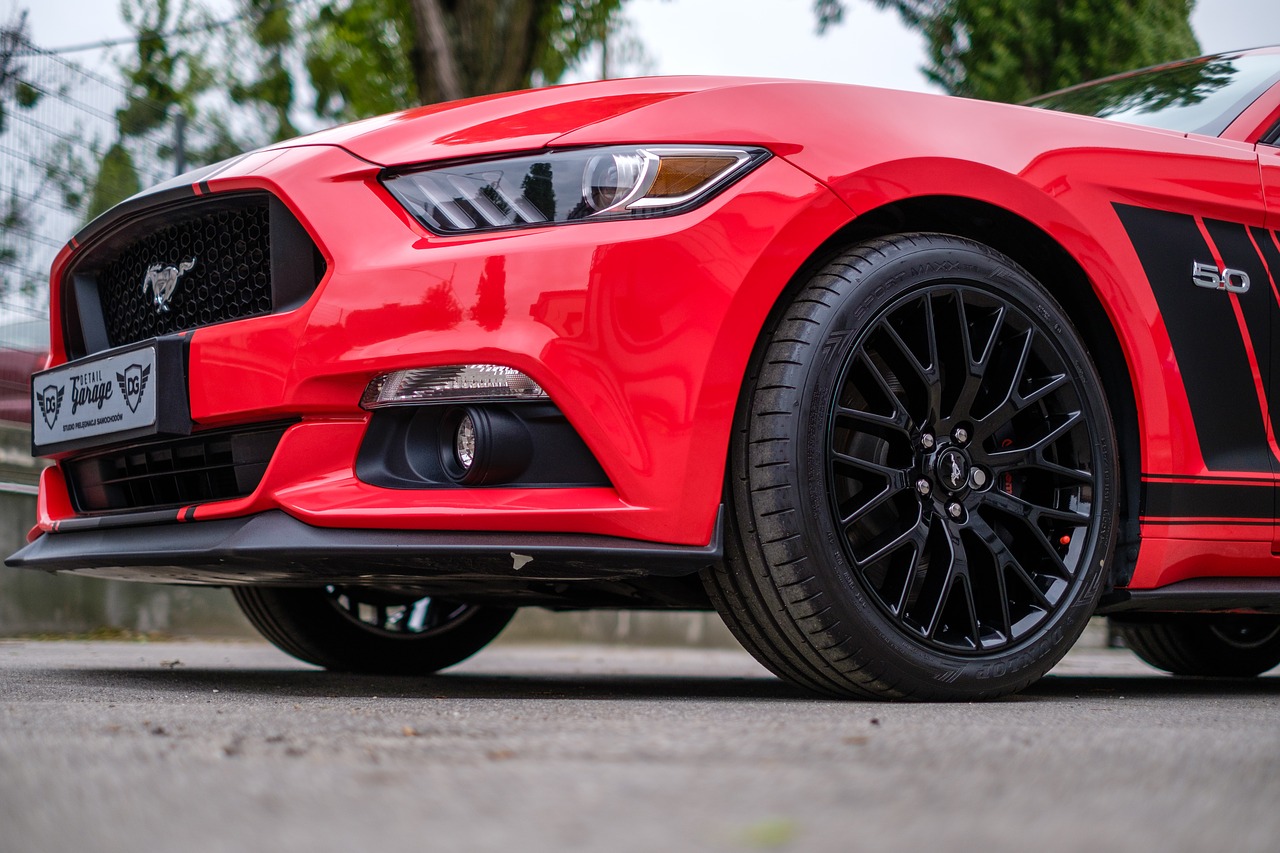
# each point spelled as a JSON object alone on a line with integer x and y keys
{"x": 926, "y": 441}
{"x": 954, "y": 510}
{"x": 961, "y": 435}
{"x": 923, "y": 487}
{"x": 978, "y": 478}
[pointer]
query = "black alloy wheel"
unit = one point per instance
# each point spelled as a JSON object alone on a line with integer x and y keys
{"x": 923, "y": 482}
{"x": 1208, "y": 645}
{"x": 369, "y": 630}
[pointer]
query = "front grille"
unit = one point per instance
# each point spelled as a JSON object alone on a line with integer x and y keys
{"x": 209, "y": 466}
{"x": 222, "y": 262}
{"x": 183, "y": 265}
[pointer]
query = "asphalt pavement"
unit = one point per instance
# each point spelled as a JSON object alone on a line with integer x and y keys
{"x": 197, "y": 746}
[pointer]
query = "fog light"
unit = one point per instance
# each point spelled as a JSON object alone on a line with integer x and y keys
{"x": 454, "y": 383}
{"x": 483, "y": 445}
{"x": 464, "y": 442}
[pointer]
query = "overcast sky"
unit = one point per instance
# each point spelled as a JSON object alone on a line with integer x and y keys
{"x": 770, "y": 38}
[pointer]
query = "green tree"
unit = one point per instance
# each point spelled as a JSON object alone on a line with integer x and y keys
{"x": 271, "y": 86}
{"x": 1011, "y": 50}
{"x": 366, "y": 57}
{"x": 15, "y": 89}
{"x": 16, "y": 92}
{"x": 117, "y": 180}
{"x": 164, "y": 74}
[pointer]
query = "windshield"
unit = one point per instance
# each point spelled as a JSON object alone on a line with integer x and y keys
{"x": 1198, "y": 96}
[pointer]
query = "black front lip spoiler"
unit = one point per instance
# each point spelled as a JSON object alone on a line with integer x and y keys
{"x": 275, "y": 548}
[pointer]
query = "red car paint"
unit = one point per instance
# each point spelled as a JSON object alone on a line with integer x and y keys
{"x": 640, "y": 331}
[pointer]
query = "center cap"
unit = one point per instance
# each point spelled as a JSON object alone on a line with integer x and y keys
{"x": 953, "y": 469}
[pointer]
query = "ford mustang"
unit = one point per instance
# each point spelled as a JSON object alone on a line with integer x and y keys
{"x": 907, "y": 387}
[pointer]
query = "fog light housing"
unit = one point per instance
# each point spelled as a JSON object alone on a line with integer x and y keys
{"x": 483, "y": 445}
{"x": 453, "y": 383}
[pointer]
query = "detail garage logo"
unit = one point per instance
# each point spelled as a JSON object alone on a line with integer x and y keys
{"x": 133, "y": 384}
{"x": 50, "y": 402}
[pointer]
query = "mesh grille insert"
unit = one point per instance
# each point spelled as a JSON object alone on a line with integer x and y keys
{"x": 220, "y": 258}
{"x": 210, "y": 466}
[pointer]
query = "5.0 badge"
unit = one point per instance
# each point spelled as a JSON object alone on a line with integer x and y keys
{"x": 1208, "y": 276}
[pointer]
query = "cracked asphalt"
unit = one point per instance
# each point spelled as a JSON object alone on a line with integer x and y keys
{"x": 198, "y": 746}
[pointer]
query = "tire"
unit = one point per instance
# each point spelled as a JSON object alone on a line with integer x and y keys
{"x": 841, "y": 573}
{"x": 1219, "y": 646}
{"x": 356, "y": 629}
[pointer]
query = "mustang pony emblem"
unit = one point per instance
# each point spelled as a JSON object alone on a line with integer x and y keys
{"x": 162, "y": 280}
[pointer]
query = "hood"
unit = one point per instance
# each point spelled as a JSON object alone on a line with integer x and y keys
{"x": 513, "y": 121}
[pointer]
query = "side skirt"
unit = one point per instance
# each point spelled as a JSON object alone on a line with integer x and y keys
{"x": 1257, "y": 595}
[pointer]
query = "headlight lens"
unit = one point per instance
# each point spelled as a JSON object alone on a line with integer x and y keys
{"x": 567, "y": 186}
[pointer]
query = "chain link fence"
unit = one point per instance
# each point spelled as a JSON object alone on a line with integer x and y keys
{"x": 57, "y": 124}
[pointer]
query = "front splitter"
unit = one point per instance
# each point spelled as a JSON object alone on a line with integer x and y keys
{"x": 275, "y": 548}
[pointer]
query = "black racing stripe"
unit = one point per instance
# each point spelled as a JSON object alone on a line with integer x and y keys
{"x": 1207, "y": 500}
{"x": 1206, "y": 340}
{"x": 1258, "y": 305}
{"x": 1270, "y": 254}
{"x": 189, "y": 514}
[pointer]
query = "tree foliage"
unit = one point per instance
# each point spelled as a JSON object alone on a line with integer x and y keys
{"x": 366, "y": 57}
{"x": 15, "y": 89}
{"x": 162, "y": 75}
{"x": 1011, "y": 50}
{"x": 117, "y": 180}
{"x": 271, "y": 87}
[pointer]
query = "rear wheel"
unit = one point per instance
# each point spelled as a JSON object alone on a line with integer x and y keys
{"x": 922, "y": 479}
{"x": 359, "y": 629}
{"x": 1223, "y": 646}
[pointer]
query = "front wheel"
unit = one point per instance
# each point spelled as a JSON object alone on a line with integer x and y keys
{"x": 922, "y": 478}
{"x": 359, "y": 629}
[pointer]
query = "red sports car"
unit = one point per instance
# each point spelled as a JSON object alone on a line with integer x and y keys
{"x": 906, "y": 387}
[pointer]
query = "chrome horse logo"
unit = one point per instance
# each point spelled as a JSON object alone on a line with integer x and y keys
{"x": 162, "y": 280}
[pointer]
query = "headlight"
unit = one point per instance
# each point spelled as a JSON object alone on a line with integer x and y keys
{"x": 567, "y": 186}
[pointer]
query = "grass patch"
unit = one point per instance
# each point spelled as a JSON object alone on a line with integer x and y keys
{"x": 103, "y": 634}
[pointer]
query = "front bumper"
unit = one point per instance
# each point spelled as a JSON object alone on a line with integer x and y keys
{"x": 639, "y": 331}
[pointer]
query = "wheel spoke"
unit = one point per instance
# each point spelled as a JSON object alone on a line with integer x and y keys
{"x": 976, "y": 366}
{"x": 1006, "y": 559}
{"x": 897, "y": 477}
{"x": 881, "y": 382}
{"x": 396, "y": 613}
{"x": 899, "y": 420}
{"x": 1016, "y": 403}
{"x": 956, "y": 564}
{"x": 926, "y": 375}
{"x": 1025, "y": 509}
{"x": 889, "y": 542}
{"x": 1010, "y": 404}
{"x": 1032, "y": 455}
{"x": 880, "y": 499}
{"x": 913, "y": 568}
{"x": 971, "y": 605}
{"x": 418, "y": 614}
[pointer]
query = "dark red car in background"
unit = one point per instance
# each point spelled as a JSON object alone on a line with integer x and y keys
{"x": 907, "y": 387}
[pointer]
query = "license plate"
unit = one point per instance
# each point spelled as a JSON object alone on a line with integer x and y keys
{"x": 96, "y": 401}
